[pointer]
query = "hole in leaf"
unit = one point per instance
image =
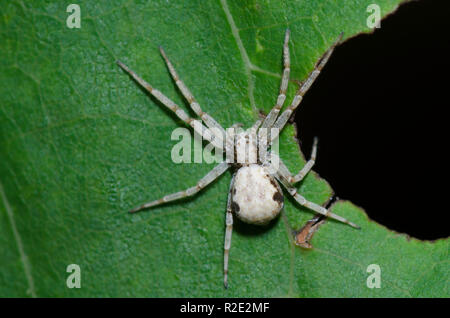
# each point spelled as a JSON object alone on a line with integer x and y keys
{"x": 380, "y": 111}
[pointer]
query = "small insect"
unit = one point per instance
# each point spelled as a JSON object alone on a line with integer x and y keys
{"x": 255, "y": 196}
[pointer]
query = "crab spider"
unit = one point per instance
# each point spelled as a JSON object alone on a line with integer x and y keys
{"x": 255, "y": 196}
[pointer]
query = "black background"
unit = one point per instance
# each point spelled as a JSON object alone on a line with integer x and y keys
{"x": 380, "y": 110}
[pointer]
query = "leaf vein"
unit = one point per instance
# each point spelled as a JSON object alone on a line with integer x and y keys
{"x": 247, "y": 64}
{"x": 18, "y": 239}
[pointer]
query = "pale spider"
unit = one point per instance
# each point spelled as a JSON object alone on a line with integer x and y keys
{"x": 255, "y": 196}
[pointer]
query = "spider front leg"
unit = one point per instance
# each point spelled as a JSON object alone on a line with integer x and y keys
{"x": 284, "y": 117}
{"x": 210, "y": 122}
{"x": 272, "y": 116}
{"x": 228, "y": 233}
{"x": 207, "y": 134}
{"x": 202, "y": 183}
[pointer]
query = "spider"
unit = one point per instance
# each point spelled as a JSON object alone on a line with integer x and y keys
{"x": 255, "y": 196}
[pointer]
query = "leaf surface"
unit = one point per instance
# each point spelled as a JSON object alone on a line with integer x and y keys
{"x": 81, "y": 144}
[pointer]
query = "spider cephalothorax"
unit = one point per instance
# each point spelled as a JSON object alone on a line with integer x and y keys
{"x": 255, "y": 195}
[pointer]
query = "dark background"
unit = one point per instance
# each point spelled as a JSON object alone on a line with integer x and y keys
{"x": 380, "y": 110}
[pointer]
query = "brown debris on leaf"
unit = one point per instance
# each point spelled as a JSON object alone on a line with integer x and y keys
{"x": 304, "y": 236}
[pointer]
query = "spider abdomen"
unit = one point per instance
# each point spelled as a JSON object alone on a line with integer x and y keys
{"x": 257, "y": 197}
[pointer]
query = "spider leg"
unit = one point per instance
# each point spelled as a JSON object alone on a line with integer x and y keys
{"x": 196, "y": 124}
{"x": 202, "y": 183}
{"x": 273, "y": 114}
{"x": 228, "y": 233}
{"x": 210, "y": 122}
{"x": 308, "y": 166}
{"x": 255, "y": 126}
{"x": 284, "y": 117}
{"x": 311, "y": 205}
{"x": 284, "y": 171}
{"x": 270, "y": 119}
{"x": 283, "y": 175}
{"x": 229, "y": 144}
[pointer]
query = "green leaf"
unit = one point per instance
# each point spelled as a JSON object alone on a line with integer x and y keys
{"x": 81, "y": 143}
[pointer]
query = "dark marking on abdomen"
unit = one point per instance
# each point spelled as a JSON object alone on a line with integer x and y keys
{"x": 235, "y": 207}
{"x": 277, "y": 196}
